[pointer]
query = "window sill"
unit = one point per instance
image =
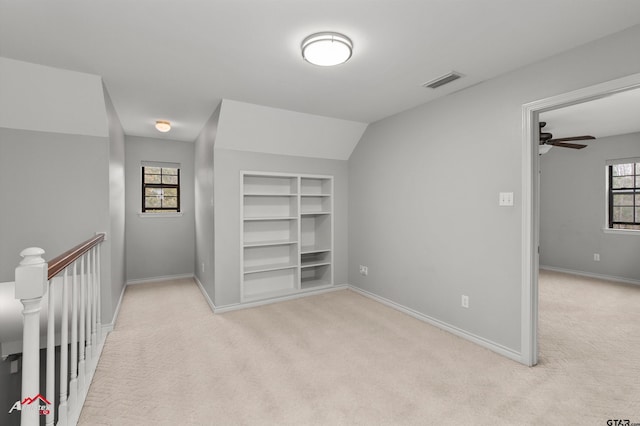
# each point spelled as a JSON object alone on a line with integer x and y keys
{"x": 621, "y": 231}
{"x": 150, "y": 215}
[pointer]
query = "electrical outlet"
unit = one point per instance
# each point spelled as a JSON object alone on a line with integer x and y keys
{"x": 364, "y": 270}
{"x": 202, "y": 267}
{"x": 596, "y": 257}
{"x": 465, "y": 301}
{"x": 505, "y": 199}
{"x": 14, "y": 367}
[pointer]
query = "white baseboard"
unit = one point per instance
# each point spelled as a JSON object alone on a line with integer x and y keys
{"x": 493, "y": 346}
{"x": 108, "y": 328}
{"x": 591, "y": 275}
{"x": 162, "y": 278}
{"x": 246, "y": 305}
{"x": 205, "y": 294}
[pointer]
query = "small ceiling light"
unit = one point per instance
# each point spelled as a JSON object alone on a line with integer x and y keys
{"x": 163, "y": 126}
{"x": 326, "y": 49}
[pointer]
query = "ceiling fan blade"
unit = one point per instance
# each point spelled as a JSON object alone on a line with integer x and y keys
{"x": 565, "y": 145}
{"x": 573, "y": 138}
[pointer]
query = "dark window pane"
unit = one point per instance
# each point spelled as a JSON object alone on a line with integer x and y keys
{"x": 169, "y": 171}
{"x": 622, "y": 182}
{"x": 623, "y": 199}
{"x": 153, "y": 201}
{"x": 170, "y": 180}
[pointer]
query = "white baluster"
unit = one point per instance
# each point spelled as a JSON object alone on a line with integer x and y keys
{"x": 99, "y": 298}
{"x": 31, "y": 278}
{"x": 81, "y": 323}
{"x": 64, "y": 350}
{"x": 73, "y": 383}
{"x": 94, "y": 343}
{"x": 50, "y": 372}
{"x": 87, "y": 319}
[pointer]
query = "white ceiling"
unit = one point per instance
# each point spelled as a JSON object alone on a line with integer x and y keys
{"x": 176, "y": 59}
{"x": 616, "y": 114}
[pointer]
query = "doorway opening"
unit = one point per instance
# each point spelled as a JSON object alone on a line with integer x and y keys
{"x": 531, "y": 199}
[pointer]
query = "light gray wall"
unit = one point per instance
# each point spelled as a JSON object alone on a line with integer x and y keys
{"x": 158, "y": 246}
{"x": 423, "y": 193}
{"x": 572, "y": 210}
{"x": 116, "y": 233}
{"x": 227, "y": 167}
{"x": 53, "y": 194}
{"x": 204, "y": 263}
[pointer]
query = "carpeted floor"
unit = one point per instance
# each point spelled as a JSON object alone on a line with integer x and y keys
{"x": 342, "y": 359}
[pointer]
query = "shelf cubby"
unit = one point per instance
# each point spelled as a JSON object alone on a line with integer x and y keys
{"x": 286, "y": 234}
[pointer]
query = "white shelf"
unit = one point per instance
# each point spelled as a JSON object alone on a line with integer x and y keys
{"x": 312, "y": 265}
{"x": 313, "y": 249}
{"x": 271, "y": 218}
{"x": 266, "y": 268}
{"x": 270, "y": 243}
{"x": 268, "y": 194}
{"x": 286, "y": 234}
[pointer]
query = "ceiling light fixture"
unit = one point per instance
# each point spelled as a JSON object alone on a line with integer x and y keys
{"x": 163, "y": 126}
{"x": 327, "y": 49}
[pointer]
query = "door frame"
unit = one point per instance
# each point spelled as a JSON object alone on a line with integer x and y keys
{"x": 531, "y": 199}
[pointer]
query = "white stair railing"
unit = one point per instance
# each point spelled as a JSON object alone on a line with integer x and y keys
{"x": 80, "y": 319}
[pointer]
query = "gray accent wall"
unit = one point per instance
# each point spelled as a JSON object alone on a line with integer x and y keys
{"x": 54, "y": 195}
{"x": 424, "y": 185}
{"x": 227, "y": 167}
{"x": 572, "y": 210}
{"x": 204, "y": 200}
{"x": 158, "y": 246}
{"x": 116, "y": 236}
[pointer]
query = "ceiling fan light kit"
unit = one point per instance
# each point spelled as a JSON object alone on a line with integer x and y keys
{"x": 546, "y": 139}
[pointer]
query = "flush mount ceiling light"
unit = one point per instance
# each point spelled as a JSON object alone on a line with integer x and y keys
{"x": 326, "y": 49}
{"x": 163, "y": 126}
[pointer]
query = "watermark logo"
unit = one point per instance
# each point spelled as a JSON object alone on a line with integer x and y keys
{"x": 41, "y": 404}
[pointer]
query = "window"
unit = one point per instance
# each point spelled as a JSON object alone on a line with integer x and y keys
{"x": 160, "y": 188}
{"x": 624, "y": 194}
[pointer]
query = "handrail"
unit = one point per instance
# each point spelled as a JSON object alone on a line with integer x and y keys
{"x": 57, "y": 264}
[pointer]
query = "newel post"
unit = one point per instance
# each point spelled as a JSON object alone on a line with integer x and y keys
{"x": 31, "y": 286}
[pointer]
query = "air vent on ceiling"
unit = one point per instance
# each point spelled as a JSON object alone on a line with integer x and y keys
{"x": 442, "y": 80}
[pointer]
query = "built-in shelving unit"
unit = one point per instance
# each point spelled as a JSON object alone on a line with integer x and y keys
{"x": 286, "y": 234}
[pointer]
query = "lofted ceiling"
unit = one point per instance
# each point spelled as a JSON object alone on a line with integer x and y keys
{"x": 177, "y": 59}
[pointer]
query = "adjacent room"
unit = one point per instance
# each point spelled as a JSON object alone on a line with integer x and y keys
{"x": 336, "y": 212}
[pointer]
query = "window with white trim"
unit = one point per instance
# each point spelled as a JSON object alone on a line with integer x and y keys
{"x": 160, "y": 187}
{"x": 623, "y": 198}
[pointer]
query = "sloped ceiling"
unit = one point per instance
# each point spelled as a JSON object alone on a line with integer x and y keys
{"x": 249, "y": 127}
{"x": 46, "y": 99}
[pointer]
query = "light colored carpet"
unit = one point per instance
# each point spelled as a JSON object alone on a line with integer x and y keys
{"x": 341, "y": 359}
